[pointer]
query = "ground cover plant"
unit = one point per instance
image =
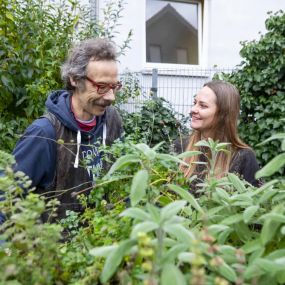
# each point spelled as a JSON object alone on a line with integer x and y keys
{"x": 147, "y": 228}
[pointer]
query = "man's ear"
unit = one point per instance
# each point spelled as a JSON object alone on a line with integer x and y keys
{"x": 73, "y": 82}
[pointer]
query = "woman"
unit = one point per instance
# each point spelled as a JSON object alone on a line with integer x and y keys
{"x": 215, "y": 115}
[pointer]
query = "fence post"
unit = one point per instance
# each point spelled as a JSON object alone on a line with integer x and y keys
{"x": 154, "y": 83}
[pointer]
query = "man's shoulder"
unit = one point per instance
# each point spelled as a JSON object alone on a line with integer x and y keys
{"x": 42, "y": 126}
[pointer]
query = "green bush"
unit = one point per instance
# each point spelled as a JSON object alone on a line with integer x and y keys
{"x": 260, "y": 79}
{"x": 34, "y": 39}
{"x": 155, "y": 122}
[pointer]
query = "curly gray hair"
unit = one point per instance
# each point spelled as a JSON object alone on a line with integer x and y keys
{"x": 79, "y": 57}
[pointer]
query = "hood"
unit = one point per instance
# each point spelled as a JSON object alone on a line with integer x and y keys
{"x": 58, "y": 103}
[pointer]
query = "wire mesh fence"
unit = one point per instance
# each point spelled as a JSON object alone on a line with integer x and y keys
{"x": 178, "y": 86}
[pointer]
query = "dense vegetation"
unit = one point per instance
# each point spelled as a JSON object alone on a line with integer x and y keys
{"x": 34, "y": 39}
{"x": 260, "y": 79}
{"x": 147, "y": 228}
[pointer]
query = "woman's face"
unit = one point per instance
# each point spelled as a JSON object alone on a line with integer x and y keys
{"x": 203, "y": 111}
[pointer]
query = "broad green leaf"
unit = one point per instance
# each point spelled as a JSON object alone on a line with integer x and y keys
{"x": 172, "y": 209}
{"x": 172, "y": 275}
{"x": 252, "y": 246}
{"x": 188, "y": 154}
{"x": 266, "y": 187}
{"x": 237, "y": 183}
{"x": 268, "y": 231}
{"x": 157, "y": 146}
{"x": 186, "y": 196}
{"x": 232, "y": 219}
{"x": 139, "y": 186}
{"x": 253, "y": 271}
{"x": 103, "y": 251}
{"x": 154, "y": 213}
{"x": 181, "y": 233}
{"x": 169, "y": 157}
{"x": 267, "y": 196}
{"x": 223, "y": 236}
{"x": 114, "y": 259}
{"x": 144, "y": 227}
{"x": 280, "y": 253}
{"x": 186, "y": 257}
{"x": 283, "y": 230}
{"x": 274, "y": 217}
{"x": 172, "y": 254}
{"x": 123, "y": 161}
{"x": 135, "y": 213}
{"x": 249, "y": 213}
{"x": 222, "y": 194}
{"x": 278, "y": 136}
{"x": 227, "y": 272}
{"x": 272, "y": 166}
{"x": 214, "y": 229}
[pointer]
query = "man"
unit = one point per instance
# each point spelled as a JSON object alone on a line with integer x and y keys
{"x": 80, "y": 119}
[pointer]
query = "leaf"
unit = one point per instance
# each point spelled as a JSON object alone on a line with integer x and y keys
{"x": 268, "y": 231}
{"x": 186, "y": 257}
{"x": 144, "y": 227}
{"x": 123, "y": 161}
{"x": 179, "y": 232}
{"x": 172, "y": 254}
{"x": 249, "y": 213}
{"x": 237, "y": 183}
{"x": 172, "y": 209}
{"x": 139, "y": 185}
{"x": 222, "y": 194}
{"x": 135, "y": 213}
{"x": 214, "y": 229}
{"x": 169, "y": 157}
{"x": 114, "y": 259}
{"x": 278, "y": 136}
{"x": 227, "y": 272}
{"x": 272, "y": 166}
{"x": 232, "y": 219}
{"x": 188, "y": 154}
{"x": 172, "y": 275}
{"x": 102, "y": 251}
{"x": 274, "y": 217}
{"x": 186, "y": 196}
{"x": 252, "y": 246}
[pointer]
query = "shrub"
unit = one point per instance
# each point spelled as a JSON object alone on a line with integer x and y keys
{"x": 260, "y": 79}
{"x": 35, "y": 37}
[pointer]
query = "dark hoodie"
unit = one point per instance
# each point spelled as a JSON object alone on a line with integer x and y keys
{"x": 39, "y": 156}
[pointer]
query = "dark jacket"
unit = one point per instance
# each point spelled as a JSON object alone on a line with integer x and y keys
{"x": 52, "y": 166}
{"x": 243, "y": 162}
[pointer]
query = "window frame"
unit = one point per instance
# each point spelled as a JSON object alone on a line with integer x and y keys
{"x": 201, "y": 58}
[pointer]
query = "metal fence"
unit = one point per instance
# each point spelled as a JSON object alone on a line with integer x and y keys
{"x": 176, "y": 86}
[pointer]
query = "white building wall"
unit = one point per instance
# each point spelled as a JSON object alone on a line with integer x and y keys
{"x": 226, "y": 23}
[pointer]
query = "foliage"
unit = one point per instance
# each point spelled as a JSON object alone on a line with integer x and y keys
{"x": 155, "y": 122}
{"x": 35, "y": 37}
{"x": 29, "y": 253}
{"x": 260, "y": 79}
{"x": 147, "y": 228}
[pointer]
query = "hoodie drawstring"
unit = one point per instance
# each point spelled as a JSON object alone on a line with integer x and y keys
{"x": 76, "y": 162}
{"x": 104, "y": 134}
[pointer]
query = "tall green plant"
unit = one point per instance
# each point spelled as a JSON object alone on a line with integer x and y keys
{"x": 260, "y": 79}
{"x": 34, "y": 39}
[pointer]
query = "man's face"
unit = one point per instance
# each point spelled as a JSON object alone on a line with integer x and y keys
{"x": 91, "y": 100}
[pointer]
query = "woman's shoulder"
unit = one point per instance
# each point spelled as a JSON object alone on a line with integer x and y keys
{"x": 243, "y": 154}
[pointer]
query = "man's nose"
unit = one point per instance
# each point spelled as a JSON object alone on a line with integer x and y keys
{"x": 110, "y": 95}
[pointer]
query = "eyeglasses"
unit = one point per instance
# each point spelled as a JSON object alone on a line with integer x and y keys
{"x": 103, "y": 88}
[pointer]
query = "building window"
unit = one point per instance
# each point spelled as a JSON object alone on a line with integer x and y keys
{"x": 172, "y": 31}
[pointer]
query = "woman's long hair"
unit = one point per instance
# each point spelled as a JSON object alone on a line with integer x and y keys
{"x": 224, "y": 128}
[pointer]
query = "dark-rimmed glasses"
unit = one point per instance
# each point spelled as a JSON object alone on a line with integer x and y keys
{"x": 103, "y": 88}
